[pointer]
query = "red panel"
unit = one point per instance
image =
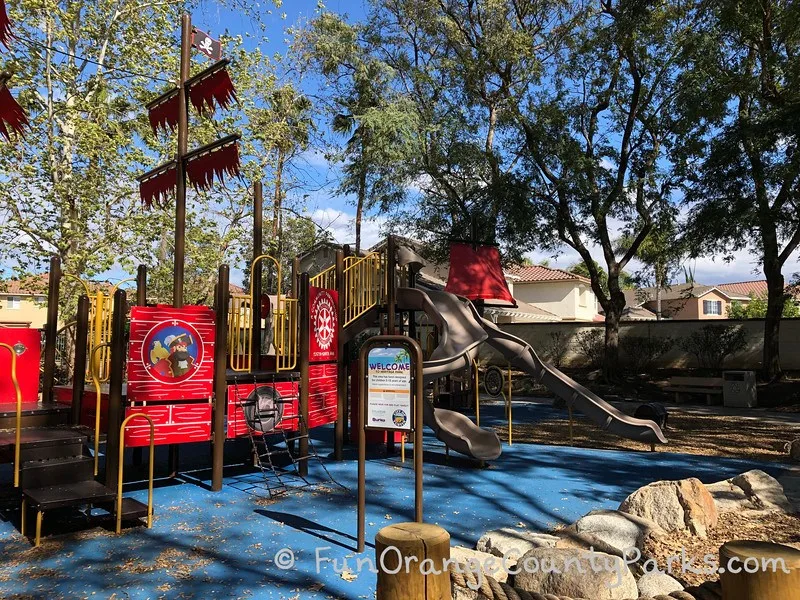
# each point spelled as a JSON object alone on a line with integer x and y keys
{"x": 27, "y": 364}
{"x": 476, "y": 274}
{"x": 237, "y": 426}
{"x": 171, "y": 353}
{"x": 174, "y": 424}
{"x": 324, "y": 311}
{"x": 322, "y": 404}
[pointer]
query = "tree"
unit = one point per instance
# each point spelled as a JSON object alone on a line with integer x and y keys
{"x": 378, "y": 124}
{"x": 756, "y": 308}
{"x": 626, "y": 280}
{"x": 743, "y": 163}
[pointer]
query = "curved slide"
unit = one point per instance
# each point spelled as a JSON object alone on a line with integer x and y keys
{"x": 462, "y": 331}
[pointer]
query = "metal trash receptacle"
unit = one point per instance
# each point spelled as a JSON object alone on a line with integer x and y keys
{"x": 739, "y": 389}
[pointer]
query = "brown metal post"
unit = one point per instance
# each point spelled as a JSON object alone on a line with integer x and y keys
{"x": 51, "y": 329}
{"x": 344, "y": 358}
{"x": 141, "y": 286}
{"x": 220, "y": 379}
{"x": 183, "y": 146}
{"x": 341, "y": 366}
{"x": 302, "y": 360}
{"x": 415, "y": 351}
{"x": 258, "y": 245}
{"x": 115, "y": 408}
{"x": 295, "y": 275}
{"x": 79, "y": 371}
{"x": 391, "y": 309}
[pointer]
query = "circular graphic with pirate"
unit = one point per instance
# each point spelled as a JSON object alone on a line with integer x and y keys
{"x": 323, "y": 318}
{"x": 172, "y": 351}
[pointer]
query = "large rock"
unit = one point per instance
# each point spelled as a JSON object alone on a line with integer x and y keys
{"x": 513, "y": 543}
{"x": 674, "y": 505}
{"x": 655, "y": 584}
{"x": 729, "y": 497}
{"x": 763, "y": 490}
{"x": 575, "y": 573}
{"x": 489, "y": 564}
{"x": 619, "y": 530}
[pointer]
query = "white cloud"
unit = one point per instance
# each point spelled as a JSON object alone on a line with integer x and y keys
{"x": 342, "y": 226}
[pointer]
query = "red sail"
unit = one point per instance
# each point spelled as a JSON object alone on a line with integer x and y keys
{"x": 156, "y": 189}
{"x": 12, "y": 117}
{"x": 5, "y": 24}
{"x": 164, "y": 114}
{"x": 212, "y": 91}
{"x": 476, "y": 274}
{"x": 202, "y": 170}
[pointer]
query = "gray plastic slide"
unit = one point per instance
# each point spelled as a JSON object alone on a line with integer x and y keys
{"x": 464, "y": 329}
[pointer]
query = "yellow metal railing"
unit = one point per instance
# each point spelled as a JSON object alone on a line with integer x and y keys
{"x": 242, "y": 312}
{"x": 326, "y": 279}
{"x": 98, "y": 402}
{"x": 122, "y": 464}
{"x": 364, "y": 285}
{"x": 101, "y": 311}
{"x": 18, "y": 423}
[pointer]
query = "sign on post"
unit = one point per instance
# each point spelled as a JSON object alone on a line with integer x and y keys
{"x": 389, "y": 403}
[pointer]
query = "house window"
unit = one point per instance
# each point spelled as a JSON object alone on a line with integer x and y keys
{"x": 13, "y": 302}
{"x": 582, "y": 297}
{"x": 712, "y": 307}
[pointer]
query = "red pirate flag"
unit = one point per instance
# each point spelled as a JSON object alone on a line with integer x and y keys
{"x": 214, "y": 90}
{"x": 163, "y": 112}
{"x": 12, "y": 117}
{"x": 5, "y": 24}
{"x": 157, "y": 185}
{"x": 204, "y": 165}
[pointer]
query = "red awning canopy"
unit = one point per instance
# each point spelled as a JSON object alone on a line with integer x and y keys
{"x": 476, "y": 274}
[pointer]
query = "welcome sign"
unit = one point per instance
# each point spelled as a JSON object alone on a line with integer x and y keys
{"x": 389, "y": 389}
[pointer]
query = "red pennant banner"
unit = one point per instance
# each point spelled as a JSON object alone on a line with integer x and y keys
{"x": 224, "y": 161}
{"x": 12, "y": 117}
{"x": 5, "y": 24}
{"x": 164, "y": 114}
{"x": 159, "y": 187}
{"x": 212, "y": 91}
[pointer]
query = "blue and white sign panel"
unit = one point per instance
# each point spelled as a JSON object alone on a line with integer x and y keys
{"x": 389, "y": 389}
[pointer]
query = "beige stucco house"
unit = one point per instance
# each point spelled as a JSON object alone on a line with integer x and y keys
{"x": 23, "y": 302}
{"x": 565, "y": 294}
{"x": 688, "y": 301}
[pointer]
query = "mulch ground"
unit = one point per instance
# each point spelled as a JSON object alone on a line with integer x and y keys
{"x": 689, "y": 433}
{"x": 768, "y": 527}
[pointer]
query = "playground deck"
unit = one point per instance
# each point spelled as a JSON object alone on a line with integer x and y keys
{"x": 207, "y": 545}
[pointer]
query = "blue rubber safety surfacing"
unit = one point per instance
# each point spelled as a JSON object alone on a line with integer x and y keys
{"x": 223, "y": 545}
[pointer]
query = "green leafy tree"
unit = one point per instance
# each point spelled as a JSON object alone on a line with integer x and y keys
{"x": 743, "y": 163}
{"x": 627, "y": 281}
{"x": 756, "y": 308}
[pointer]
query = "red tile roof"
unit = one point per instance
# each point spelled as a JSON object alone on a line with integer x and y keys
{"x": 27, "y": 286}
{"x": 533, "y": 273}
{"x": 745, "y": 288}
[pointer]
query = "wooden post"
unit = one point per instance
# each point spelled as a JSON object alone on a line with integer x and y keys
{"x": 418, "y": 542}
{"x": 341, "y": 367}
{"x": 258, "y": 246}
{"x": 220, "y": 379}
{"x": 756, "y": 579}
{"x": 79, "y": 371}
{"x": 303, "y": 348}
{"x": 344, "y": 357}
{"x": 391, "y": 308}
{"x": 141, "y": 300}
{"x": 116, "y": 411}
{"x": 183, "y": 146}
{"x": 51, "y": 329}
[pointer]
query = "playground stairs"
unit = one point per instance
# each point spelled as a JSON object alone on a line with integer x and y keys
{"x": 34, "y": 414}
{"x": 56, "y": 471}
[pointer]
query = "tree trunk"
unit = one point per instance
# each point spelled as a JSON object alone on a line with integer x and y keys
{"x": 776, "y": 297}
{"x": 362, "y": 194}
{"x": 611, "y": 354}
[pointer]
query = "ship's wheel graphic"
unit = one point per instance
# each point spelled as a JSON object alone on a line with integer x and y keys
{"x": 324, "y": 321}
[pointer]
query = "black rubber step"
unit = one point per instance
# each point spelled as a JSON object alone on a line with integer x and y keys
{"x": 131, "y": 509}
{"x": 38, "y": 443}
{"x": 56, "y": 471}
{"x": 74, "y": 494}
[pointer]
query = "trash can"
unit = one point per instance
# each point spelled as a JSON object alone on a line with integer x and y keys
{"x": 739, "y": 389}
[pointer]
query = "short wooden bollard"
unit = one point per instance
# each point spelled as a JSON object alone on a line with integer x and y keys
{"x": 410, "y": 558}
{"x": 757, "y": 579}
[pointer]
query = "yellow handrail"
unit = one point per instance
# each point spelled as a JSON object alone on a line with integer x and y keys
{"x": 122, "y": 466}
{"x": 18, "y": 391}
{"x": 364, "y": 285}
{"x": 326, "y": 279}
{"x": 98, "y": 401}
